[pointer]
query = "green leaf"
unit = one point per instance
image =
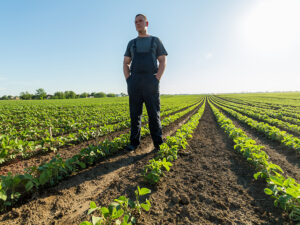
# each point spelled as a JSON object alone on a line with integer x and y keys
{"x": 125, "y": 219}
{"x": 268, "y": 191}
{"x": 29, "y": 186}
{"x": 92, "y": 210}
{"x": 86, "y": 223}
{"x": 145, "y": 206}
{"x": 144, "y": 191}
{"x": 274, "y": 166}
{"x": 277, "y": 180}
{"x": 81, "y": 164}
{"x": 121, "y": 199}
{"x": 289, "y": 181}
{"x": 43, "y": 177}
{"x": 257, "y": 175}
{"x": 3, "y": 196}
{"x": 294, "y": 192}
{"x": 16, "y": 180}
{"x": 105, "y": 211}
{"x": 118, "y": 214}
{"x": 93, "y": 205}
{"x": 113, "y": 205}
{"x": 96, "y": 220}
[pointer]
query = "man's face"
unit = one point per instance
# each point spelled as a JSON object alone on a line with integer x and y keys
{"x": 140, "y": 24}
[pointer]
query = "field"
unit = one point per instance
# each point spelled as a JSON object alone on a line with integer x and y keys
{"x": 227, "y": 159}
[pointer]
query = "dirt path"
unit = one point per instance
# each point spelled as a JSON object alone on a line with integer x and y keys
{"x": 70, "y": 199}
{"x": 287, "y": 159}
{"x": 209, "y": 184}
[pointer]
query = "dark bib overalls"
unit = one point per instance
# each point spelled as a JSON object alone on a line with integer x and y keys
{"x": 144, "y": 87}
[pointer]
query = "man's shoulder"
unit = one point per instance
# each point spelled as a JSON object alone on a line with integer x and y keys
{"x": 131, "y": 41}
{"x": 137, "y": 39}
{"x": 149, "y": 38}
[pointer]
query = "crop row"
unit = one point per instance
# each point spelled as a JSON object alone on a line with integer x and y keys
{"x": 61, "y": 119}
{"x": 70, "y": 115}
{"x": 13, "y": 147}
{"x": 263, "y": 116}
{"x": 12, "y": 187}
{"x": 36, "y": 124}
{"x": 284, "y": 109}
{"x": 288, "y": 117}
{"x": 278, "y": 112}
{"x": 285, "y": 191}
{"x": 68, "y": 122}
{"x": 271, "y": 132}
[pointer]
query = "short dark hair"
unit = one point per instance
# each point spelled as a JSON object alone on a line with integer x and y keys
{"x": 142, "y": 16}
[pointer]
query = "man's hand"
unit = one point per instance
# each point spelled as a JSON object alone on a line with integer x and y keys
{"x": 162, "y": 65}
{"x": 126, "y": 64}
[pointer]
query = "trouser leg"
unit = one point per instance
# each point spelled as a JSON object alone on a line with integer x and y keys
{"x": 152, "y": 102}
{"x": 136, "y": 110}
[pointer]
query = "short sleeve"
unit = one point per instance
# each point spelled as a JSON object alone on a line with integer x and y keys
{"x": 127, "y": 52}
{"x": 160, "y": 48}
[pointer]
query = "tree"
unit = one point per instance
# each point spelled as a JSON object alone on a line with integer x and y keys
{"x": 25, "y": 95}
{"x": 99, "y": 95}
{"x": 111, "y": 95}
{"x": 4, "y": 97}
{"x": 70, "y": 94}
{"x": 84, "y": 95}
{"x": 123, "y": 94}
{"x": 59, "y": 95}
{"x": 41, "y": 93}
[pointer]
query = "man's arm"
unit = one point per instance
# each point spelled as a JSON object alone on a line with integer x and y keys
{"x": 162, "y": 65}
{"x": 126, "y": 64}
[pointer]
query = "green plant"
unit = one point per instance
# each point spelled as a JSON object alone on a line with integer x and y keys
{"x": 285, "y": 191}
{"x": 121, "y": 211}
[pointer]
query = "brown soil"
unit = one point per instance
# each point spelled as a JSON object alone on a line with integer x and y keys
{"x": 209, "y": 184}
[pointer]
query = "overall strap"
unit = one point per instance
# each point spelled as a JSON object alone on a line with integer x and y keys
{"x": 134, "y": 45}
{"x": 151, "y": 45}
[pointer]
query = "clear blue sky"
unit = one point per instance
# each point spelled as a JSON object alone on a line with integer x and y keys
{"x": 214, "y": 46}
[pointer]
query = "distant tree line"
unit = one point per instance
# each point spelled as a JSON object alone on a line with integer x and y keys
{"x": 41, "y": 94}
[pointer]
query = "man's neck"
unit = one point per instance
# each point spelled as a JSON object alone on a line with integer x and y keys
{"x": 143, "y": 34}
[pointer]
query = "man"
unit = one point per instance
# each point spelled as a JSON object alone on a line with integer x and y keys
{"x": 142, "y": 76}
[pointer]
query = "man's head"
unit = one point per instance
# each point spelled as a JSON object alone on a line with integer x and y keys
{"x": 141, "y": 23}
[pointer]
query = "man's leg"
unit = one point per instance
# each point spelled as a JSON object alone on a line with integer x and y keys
{"x": 136, "y": 110}
{"x": 152, "y": 102}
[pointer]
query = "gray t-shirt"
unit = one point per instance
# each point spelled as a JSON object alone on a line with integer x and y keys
{"x": 143, "y": 45}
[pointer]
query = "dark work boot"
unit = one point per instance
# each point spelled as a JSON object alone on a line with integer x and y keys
{"x": 131, "y": 147}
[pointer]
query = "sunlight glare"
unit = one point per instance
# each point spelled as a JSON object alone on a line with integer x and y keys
{"x": 272, "y": 25}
